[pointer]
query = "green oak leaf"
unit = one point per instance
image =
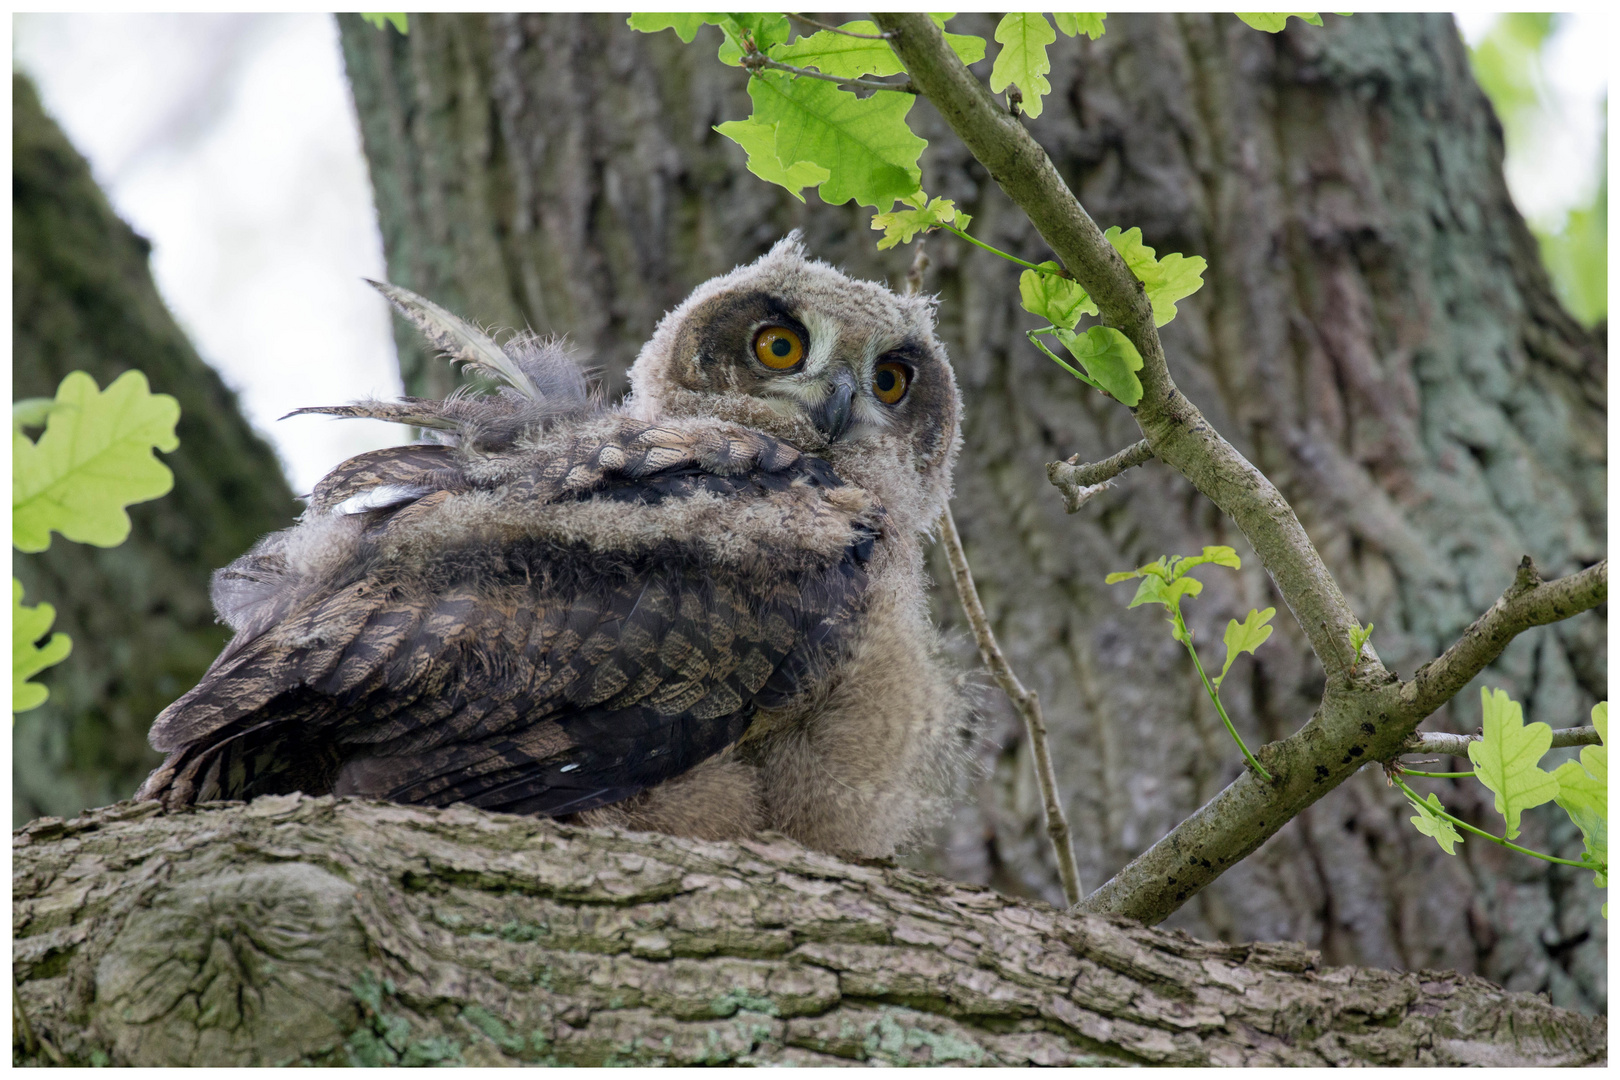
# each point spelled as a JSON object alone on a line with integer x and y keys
{"x": 1586, "y": 799}
{"x": 852, "y": 57}
{"x": 767, "y": 28}
{"x": 1219, "y": 554}
{"x": 900, "y": 226}
{"x": 1159, "y": 568}
{"x": 1167, "y": 280}
{"x": 841, "y": 55}
{"x": 1024, "y": 36}
{"x": 1583, "y": 792}
{"x": 1172, "y": 567}
{"x": 1074, "y": 23}
{"x": 1109, "y": 357}
{"x": 1245, "y": 637}
{"x": 685, "y": 23}
{"x": 1358, "y": 638}
{"x": 866, "y": 147}
{"x": 94, "y": 458}
{"x": 1272, "y": 22}
{"x": 760, "y": 142}
{"x": 1059, "y": 300}
{"x": 28, "y": 625}
{"x": 1430, "y": 823}
{"x": 1505, "y": 759}
{"x": 397, "y": 19}
{"x": 1156, "y": 590}
{"x": 969, "y": 48}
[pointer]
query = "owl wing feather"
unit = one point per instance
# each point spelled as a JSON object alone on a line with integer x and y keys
{"x": 526, "y": 675}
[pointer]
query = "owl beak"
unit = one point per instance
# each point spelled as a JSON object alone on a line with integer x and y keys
{"x": 832, "y": 416}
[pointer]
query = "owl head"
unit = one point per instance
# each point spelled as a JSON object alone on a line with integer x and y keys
{"x": 841, "y": 368}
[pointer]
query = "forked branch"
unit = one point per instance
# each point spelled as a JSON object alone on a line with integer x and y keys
{"x": 1528, "y": 602}
{"x": 1365, "y": 715}
{"x": 1080, "y": 482}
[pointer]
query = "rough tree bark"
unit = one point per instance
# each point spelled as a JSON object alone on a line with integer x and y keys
{"x": 294, "y": 930}
{"x": 142, "y": 627}
{"x": 1376, "y": 334}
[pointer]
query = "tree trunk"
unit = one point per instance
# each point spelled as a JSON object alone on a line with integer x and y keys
{"x": 1375, "y": 332}
{"x": 142, "y": 627}
{"x": 310, "y": 931}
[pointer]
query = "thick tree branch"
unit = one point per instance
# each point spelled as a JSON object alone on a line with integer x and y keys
{"x": 1026, "y": 701}
{"x": 1080, "y": 482}
{"x": 1528, "y": 602}
{"x": 310, "y": 931}
{"x": 1175, "y": 429}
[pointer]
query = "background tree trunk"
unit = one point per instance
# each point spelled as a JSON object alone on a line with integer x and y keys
{"x": 1375, "y": 332}
{"x": 142, "y": 627}
{"x": 310, "y": 931}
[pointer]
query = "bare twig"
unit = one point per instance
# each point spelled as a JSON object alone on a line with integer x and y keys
{"x": 1080, "y": 482}
{"x": 1441, "y": 742}
{"x": 758, "y": 61}
{"x": 1528, "y": 602}
{"x": 919, "y": 267}
{"x": 1026, "y": 701}
{"x": 819, "y": 25}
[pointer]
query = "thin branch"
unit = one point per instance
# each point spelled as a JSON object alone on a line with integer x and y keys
{"x": 1440, "y": 742}
{"x": 1026, "y": 701}
{"x": 758, "y": 61}
{"x": 807, "y": 21}
{"x": 1079, "y": 483}
{"x": 1528, "y": 602}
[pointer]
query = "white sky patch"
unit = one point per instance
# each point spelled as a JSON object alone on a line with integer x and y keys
{"x": 229, "y": 142}
{"x": 1559, "y": 171}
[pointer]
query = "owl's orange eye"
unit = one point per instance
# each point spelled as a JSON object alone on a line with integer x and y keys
{"x": 889, "y": 382}
{"x": 778, "y": 348}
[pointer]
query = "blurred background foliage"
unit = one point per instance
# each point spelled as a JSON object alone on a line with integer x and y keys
{"x": 1512, "y": 63}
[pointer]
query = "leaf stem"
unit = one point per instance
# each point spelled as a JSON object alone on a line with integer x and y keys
{"x": 1059, "y": 361}
{"x": 1214, "y": 695}
{"x": 1455, "y": 820}
{"x": 1003, "y": 254}
{"x": 1436, "y": 775}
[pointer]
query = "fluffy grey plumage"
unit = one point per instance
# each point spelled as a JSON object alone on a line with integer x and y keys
{"x": 702, "y": 611}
